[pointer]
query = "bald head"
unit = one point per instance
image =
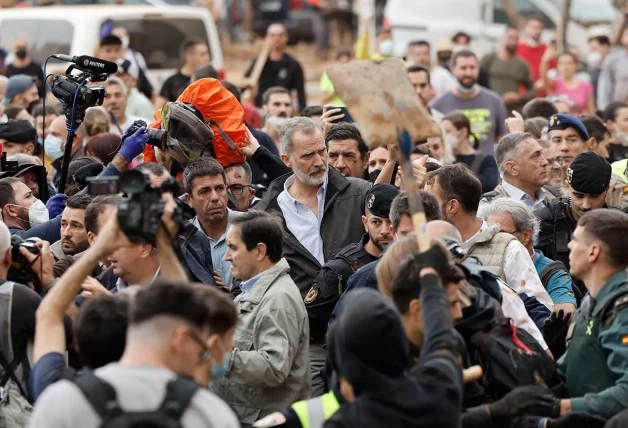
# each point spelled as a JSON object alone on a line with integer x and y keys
{"x": 441, "y": 229}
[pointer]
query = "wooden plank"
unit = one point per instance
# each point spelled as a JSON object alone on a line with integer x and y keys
{"x": 382, "y": 101}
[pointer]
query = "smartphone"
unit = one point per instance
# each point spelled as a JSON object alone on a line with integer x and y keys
{"x": 347, "y": 118}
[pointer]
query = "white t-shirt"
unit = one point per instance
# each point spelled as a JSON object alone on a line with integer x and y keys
{"x": 139, "y": 388}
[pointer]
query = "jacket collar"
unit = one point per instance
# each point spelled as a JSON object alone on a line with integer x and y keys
{"x": 485, "y": 234}
{"x": 266, "y": 281}
{"x": 609, "y": 289}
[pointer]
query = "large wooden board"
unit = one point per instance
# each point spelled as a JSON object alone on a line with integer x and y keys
{"x": 382, "y": 101}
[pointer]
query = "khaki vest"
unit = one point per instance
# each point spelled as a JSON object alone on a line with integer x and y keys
{"x": 490, "y": 253}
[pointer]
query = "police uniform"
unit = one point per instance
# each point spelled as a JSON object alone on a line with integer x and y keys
{"x": 595, "y": 366}
{"x": 587, "y": 173}
{"x": 331, "y": 280}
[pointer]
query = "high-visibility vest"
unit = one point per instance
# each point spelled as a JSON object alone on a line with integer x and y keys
{"x": 314, "y": 412}
{"x": 619, "y": 168}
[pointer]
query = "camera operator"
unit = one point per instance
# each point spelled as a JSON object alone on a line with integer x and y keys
{"x": 19, "y": 304}
{"x": 24, "y": 214}
{"x": 107, "y": 345}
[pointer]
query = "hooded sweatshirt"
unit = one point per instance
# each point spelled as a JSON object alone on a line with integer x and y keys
{"x": 373, "y": 355}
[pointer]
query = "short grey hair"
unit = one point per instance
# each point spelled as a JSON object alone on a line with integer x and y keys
{"x": 116, "y": 81}
{"x": 509, "y": 148}
{"x": 291, "y": 127}
{"x": 521, "y": 215}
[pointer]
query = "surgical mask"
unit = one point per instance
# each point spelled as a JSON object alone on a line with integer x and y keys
{"x": 37, "y": 213}
{"x": 218, "y": 372}
{"x": 40, "y": 141}
{"x": 53, "y": 147}
{"x": 21, "y": 53}
{"x": 594, "y": 59}
{"x": 374, "y": 174}
{"x": 452, "y": 141}
{"x": 622, "y": 137}
{"x": 125, "y": 42}
{"x": 386, "y": 47}
{"x": 464, "y": 89}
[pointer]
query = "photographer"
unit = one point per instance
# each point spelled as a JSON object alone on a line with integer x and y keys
{"x": 19, "y": 304}
{"x": 24, "y": 214}
{"x": 95, "y": 350}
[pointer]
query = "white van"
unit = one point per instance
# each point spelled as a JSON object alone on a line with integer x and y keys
{"x": 156, "y": 32}
{"x": 485, "y": 20}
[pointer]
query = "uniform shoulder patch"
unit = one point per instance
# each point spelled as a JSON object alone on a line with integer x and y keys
{"x": 311, "y": 296}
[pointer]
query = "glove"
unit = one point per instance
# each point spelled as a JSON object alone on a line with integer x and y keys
{"x": 555, "y": 331}
{"x": 56, "y": 205}
{"x": 532, "y": 400}
{"x": 435, "y": 257}
{"x": 580, "y": 420}
{"x": 133, "y": 145}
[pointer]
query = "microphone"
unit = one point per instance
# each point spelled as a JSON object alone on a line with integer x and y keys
{"x": 90, "y": 63}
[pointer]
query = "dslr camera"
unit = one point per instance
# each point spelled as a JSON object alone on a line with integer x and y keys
{"x": 139, "y": 216}
{"x": 156, "y": 137}
{"x": 20, "y": 271}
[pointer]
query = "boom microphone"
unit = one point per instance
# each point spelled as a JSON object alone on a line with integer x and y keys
{"x": 89, "y": 63}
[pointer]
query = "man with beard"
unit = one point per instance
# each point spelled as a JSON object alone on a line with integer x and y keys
{"x": 507, "y": 72}
{"x": 588, "y": 179}
{"x": 347, "y": 151}
{"x": 205, "y": 185}
{"x": 73, "y": 234}
{"x": 115, "y": 103}
{"x": 483, "y": 107}
{"x": 321, "y": 212}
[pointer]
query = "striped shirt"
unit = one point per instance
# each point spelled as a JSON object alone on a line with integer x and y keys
{"x": 302, "y": 222}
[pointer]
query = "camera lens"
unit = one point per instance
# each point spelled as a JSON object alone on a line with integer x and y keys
{"x": 132, "y": 182}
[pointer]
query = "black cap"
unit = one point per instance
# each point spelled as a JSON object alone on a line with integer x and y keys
{"x": 564, "y": 121}
{"x": 589, "y": 173}
{"x": 18, "y": 131}
{"x": 379, "y": 198}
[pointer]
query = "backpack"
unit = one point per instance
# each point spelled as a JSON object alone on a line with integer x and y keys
{"x": 102, "y": 397}
{"x": 15, "y": 408}
{"x": 510, "y": 357}
{"x": 205, "y": 121}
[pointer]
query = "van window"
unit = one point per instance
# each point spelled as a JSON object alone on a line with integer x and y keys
{"x": 37, "y": 32}
{"x": 160, "y": 40}
{"x": 525, "y": 8}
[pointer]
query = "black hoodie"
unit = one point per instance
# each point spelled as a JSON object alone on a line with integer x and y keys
{"x": 372, "y": 354}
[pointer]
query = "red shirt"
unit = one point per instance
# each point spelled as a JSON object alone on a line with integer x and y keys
{"x": 533, "y": 56}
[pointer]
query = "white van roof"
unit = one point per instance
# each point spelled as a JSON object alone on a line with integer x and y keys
{"x": 88, "y": 12}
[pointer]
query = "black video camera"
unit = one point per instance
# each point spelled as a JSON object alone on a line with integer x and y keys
{"x": 139, "y": 216}
{"x": 156, "y": 137}
{"x": 20, "y": 271}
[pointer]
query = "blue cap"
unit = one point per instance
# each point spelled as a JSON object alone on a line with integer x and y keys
{"x": 564, "y": 121}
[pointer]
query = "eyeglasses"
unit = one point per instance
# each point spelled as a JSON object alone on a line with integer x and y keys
{"x": 236, "y": 189}
{"x": 206, "y": 355}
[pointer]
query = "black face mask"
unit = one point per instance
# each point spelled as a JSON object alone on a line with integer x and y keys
{"x": 21, "y": 53}
{"x": 373, "y": 175}
{"x": 444, "y": 57}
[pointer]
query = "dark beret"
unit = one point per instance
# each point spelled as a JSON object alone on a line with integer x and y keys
{"x": 589, "y": 173}
{"x": 379, "y": 198}
{"x": 564, "y": 121}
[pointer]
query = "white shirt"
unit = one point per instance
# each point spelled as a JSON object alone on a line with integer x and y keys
{"x": 513, "y": 308}
{"x": 519, "y": 195}
{"x": 113, "y": 128}
{"x": 519, "y": 269}
{"x": 442, "y": 81}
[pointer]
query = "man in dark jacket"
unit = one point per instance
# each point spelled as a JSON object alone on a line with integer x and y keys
{"x": 321, "y": 212}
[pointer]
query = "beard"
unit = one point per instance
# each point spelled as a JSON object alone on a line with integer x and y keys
{"x": 511, "y": 49}
{"x": 379, "y": 242}
{"x": 71, "y": 248}
{"x": 314, "y": 178}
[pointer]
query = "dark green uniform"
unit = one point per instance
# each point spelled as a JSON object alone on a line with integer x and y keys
{"x": 595, "y": 366}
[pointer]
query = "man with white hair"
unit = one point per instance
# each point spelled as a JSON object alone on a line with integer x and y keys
{"x": 116, "y": 103}
{"x": 524, "y": 171}
{"x": 321, "y": 212}
{"x": 515, "y": 218}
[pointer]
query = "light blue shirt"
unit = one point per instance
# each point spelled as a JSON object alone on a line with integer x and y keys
{"x": 519, "y": 195}
{"x": 121, "y": 285}
{"x": 302, "y": 222}
{"x": 219, "y": 249}
{"x": 247, "y": 286}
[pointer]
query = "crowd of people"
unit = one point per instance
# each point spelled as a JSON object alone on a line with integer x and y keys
{"x": 288, "y": 289}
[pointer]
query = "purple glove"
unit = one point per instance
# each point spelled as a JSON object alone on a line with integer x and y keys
{"x": 56, "y": 205}
{"x": 133, "y": 145}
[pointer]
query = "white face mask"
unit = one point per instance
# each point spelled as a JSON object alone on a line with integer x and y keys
{"x": 386, "y": 47}
{"x": 594, "y": 59}
{"x": 125, "y": 42}
{"x": 37, "y": 213}
{"x": 452, "y": 141}
{"x": 53, "y": 147}
{"x": 622, "y": 137}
